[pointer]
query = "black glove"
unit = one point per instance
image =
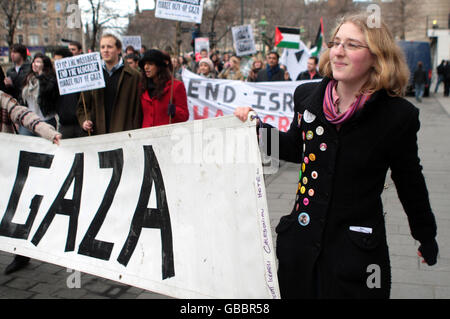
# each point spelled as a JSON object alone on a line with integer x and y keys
{"x": 429, "y": 251}
{"x": 171, "y": 110}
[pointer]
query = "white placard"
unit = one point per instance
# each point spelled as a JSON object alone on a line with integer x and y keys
{"x": 244, "y": 43}
{"x": 180, "y": 10}
{"x": 79, "y": 73}
{"x": 133, "y": 40}
{"x": 179, "y": 209}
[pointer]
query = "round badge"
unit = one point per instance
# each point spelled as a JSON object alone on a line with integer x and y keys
{"x": 323, "y": 147}
{"x": 305, "y": 180}
{"x": 303, "y": 135}
{"x": 297, "y": 206}
{"x": 306, "y": 160}
{"x": 308, "y": 117}
{"x": 309, "y": 135}
{"x": 303, "y": 167}
{"x": 305, "y": 201}
{"x": 304, "y": 147}
{"x": 302, "y": 190}
{"x": 300, "y": 175}
{"x": 310, "y": 193}
{"x": 319, "y": 130}
{"x": 314, "y": 175}
{"x": 299, "y": 186}
{"x": 303, "y": 219}
{"x": 312, "y": 157}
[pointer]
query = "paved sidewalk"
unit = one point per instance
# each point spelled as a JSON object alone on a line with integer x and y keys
{"x": 410, "y": 278}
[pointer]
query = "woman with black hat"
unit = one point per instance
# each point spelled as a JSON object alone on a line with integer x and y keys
{"x": 164, "y": 99}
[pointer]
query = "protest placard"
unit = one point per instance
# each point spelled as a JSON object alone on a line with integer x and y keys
{"x": 79, "y": 73}
{"x": 180, "y": 10}
{"x": 134, "y": 40}
{"x": 244, "y": 43}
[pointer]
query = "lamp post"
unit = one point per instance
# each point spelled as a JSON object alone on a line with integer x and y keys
{"x": 262, "y": 25}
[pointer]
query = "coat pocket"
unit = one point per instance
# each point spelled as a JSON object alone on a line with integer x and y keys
{"x": 364, "y": 240}
{"x": 284, "y": 224}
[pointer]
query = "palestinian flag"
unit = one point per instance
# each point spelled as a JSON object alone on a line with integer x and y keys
{"x": 317, "y": 47}
{"x": 287, "y": 37}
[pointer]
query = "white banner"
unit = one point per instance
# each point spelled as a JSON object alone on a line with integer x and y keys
{"x": 295, "y": 60}
{"x": 79, "y": 73}
{"x": 180, "y": 10}
{"x": 244, "y": 43}
{"x": 273, "y": 101}
{"x": 133, "y": 40}
{"x": 180, "y": 209}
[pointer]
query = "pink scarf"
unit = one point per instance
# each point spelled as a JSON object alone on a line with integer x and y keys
{"x": 330, "y": 108}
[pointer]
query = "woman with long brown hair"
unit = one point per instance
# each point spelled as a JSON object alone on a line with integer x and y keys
{"x": 348, "y": 131}
{"x": 164, "y": 99}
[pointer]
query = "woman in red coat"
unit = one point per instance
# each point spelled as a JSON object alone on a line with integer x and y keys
{"x": 162, "y": 102}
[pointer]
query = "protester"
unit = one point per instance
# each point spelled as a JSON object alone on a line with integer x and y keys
{"x": 177, "y": 68}
{"x": 218, "y": 67}
{"x": 164, "y": 99}
{"x": 257, "y": 65}
{"x": 76, "y": 48}
{"x": 311, "y": 70}
{"x": 66, "y": 106}
{"x": 15, "y": 76}
{"x": 206, "y": 68}
{"x": 13, "y": 115}
{"x": 272, "y": 72}
{"x": 233, "y": 71}
{"x": 2, "y": 80}
{"x": 40, "y": 91}
{"x": 116, "y": 107}
{"x": 420, "y": 78}
{"x": 287, "y": 76}
{"x": 447, "y": 78}
{"x": 440, "y": 74}
{"x": 347, "y": 131}
{"x": 133, "y": 61}
{"x": 142, "y": 51}
{"x": 130, "y": 50}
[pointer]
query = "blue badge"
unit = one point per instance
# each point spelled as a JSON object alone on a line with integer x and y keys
{"x": 303, "y": 219}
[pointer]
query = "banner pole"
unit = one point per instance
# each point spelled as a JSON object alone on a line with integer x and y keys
{"x": 85, "y": 111}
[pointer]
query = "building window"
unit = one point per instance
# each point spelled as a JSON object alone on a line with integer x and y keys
{"x": 33, "y": 23}
{"x": 33, "y": 40}
{"x": 44, "y": 6}
{"x": 46, "y": 40}
{"x": 19, "y": 24}
{"x": 58, "y": 22}
{"x": 45, "y": 23}
{"x": 58, "y": 6}
{"x": 20, "y": 38}
{"x": 33, "y": 7}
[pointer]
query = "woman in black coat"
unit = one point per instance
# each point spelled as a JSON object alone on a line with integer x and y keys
{"x": 347, "y": 131}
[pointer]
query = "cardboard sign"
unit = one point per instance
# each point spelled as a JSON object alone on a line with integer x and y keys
{"x": 180, "y": 10}
{"x": 244, "y": 43}
{"x": 79, "y": 73}
{"x": 179, "y": 209}
{"x": 133, "y": 40}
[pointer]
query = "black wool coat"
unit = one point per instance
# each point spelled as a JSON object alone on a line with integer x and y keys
{"x": 333, "y": 243}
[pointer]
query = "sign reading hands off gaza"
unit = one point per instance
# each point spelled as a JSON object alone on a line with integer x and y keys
{"x": 179, "y": 210}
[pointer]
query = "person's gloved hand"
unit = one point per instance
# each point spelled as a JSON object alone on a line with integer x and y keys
{"x": 428, "y": 251}
{"x": 171, "y": 110}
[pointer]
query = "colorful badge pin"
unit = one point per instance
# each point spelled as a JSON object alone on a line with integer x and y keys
{"x": 303, "y": 219}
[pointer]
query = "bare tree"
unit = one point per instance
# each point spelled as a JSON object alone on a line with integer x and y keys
{"x": 13, "y": 11}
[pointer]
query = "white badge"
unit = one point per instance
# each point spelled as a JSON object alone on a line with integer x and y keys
{"x": 308, "y": 117}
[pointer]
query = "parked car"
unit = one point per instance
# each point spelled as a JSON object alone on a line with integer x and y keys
{"x": 416, "y": 51}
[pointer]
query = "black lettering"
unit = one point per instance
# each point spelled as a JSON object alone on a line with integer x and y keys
{"x": 260, "y": 95}
{"x": 26, "y": 160}
{"x": 68, "y": 207}
{"x": 287, "y": 101}
{"x": 151, "y": 217}
{"x": 214, "y": 92}
{"x": 272, "y": 99}
{"x": 90, "y": 246}
{"x": 193, "y": 90}
{"x": 225, "y": 94}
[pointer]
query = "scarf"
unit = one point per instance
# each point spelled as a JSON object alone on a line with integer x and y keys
{"x": 272, "y": 71}
{"x": 330, "y": 108}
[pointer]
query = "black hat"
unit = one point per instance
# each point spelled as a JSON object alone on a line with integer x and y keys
{"x": 154, "y": 56}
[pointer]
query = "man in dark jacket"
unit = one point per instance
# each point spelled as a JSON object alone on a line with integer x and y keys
{"x": 311, "y": 72}
{"x": 272, "y": 72}
{"x": 420, "y": 79}
{"x": 440, "y": 74}
{"x": 446, "y": 78}
{"x": 116, "y": 107}
{"x": 15, "y": 76}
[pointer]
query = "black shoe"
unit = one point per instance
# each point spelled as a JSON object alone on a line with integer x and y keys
{"x": 18, "y": 263}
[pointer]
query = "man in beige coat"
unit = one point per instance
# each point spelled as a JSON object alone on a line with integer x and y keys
{"x": 116, "y": 107}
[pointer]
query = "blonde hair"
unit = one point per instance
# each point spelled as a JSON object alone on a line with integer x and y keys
{"x": 390, "y": 71}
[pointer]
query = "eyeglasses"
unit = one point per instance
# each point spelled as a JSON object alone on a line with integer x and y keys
{"x": 352, "y": 46}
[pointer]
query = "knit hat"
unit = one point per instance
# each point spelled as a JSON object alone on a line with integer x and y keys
{"x": 207, "y": 61}
{"x": 154, "y": 56}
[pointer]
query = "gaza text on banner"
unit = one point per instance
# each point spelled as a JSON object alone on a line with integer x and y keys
{"x": 179, "y": 209}
{"x": 273, "y": 101}
{"x": 180, "y": 10}
{"x": 79, "y": 73}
